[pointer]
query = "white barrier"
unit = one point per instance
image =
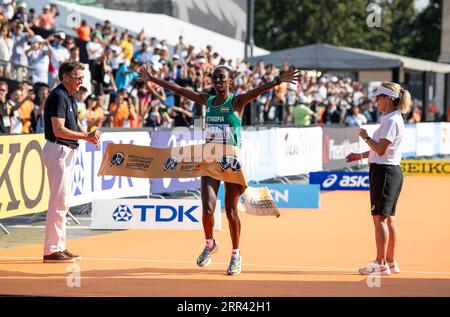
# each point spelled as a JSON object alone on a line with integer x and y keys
{"x": 444, "y": 140}
{"x": 298, "y": 150}
{"x": 426, "y": 137}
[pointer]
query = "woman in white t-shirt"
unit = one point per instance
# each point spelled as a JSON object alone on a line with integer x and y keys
{"x": 385, "y": 175}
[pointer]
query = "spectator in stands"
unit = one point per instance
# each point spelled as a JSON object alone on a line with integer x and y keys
{"x": 355, "y": 118}
{"x": 181, "y": 48}
{"x": 140, "y": 39}
{"x": 22, "y": 15}
{"x": 38, "y": 59}
{"x": 95, "y": 114}
{"x": 182, "y": 116}
{"x": 80, "y": 98}
{"x": 58, "y": 55}
{"x": 154, "y": 118}
{"x": 33, "y": 19}
{"x": 97, "y": 31}
{"x": 302, "y": 115}
{"x": 70, "y": 43}
{"x": 94, "y": 50}
{"x": 37, "y": 118}
{"x": 6, "y": 109}
{"x": 143, "y": 55}
{"x": 126, "y": 75}
{"x": 107, "y": 30}
{"x": 84, "y": 31}
{"x": 16, "y": 119}
{"x": 120, "y": 110}
{"x": 276, "y": 111}
{"x": 371, "y": 112}
{"x": 127, "y": 46}
{"x": 20, "y": 39}
{"x": 47, "y": 19}
{"x": 331, "y": 115}
{"x": 25, "y": 97}
{"x": 8, "y": 9}
{"x": 74, "y": 54}
{"x": 6, "y": 49}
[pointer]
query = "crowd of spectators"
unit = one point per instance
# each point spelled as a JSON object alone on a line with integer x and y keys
{"x": 111, "y": 96}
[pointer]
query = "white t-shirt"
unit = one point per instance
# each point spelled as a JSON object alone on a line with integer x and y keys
{"x": 357, "y": 120}
{"x": 59, "y": 55}
{"x": 39, "y": 61}
{"x": 97, "y": 48}
{"x": 392, "y": 129}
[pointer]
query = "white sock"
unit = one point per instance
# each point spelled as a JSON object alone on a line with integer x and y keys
{"x": 235, "y": 252}
{"x": 210, "y": 243}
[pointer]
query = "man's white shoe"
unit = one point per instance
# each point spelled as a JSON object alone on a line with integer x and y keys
{"x": 375, "y": 268}
{"x": 394, "y": 267}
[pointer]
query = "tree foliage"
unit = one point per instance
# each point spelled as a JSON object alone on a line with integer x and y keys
{"x": 281, "y": 24}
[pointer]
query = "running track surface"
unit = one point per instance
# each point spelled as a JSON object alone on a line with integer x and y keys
{"x": 305, "y": 252}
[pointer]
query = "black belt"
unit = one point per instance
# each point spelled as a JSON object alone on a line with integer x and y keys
{"x": 72, "y": 146}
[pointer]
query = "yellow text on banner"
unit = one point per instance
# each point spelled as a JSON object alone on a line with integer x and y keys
{"x": 425, "y": 167}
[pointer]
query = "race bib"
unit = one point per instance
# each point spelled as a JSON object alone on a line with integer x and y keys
{"x": 217, "y": 133}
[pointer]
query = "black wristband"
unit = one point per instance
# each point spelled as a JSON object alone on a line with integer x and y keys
{"x": 367, "y": 139}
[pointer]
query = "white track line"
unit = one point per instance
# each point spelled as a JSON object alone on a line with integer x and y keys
{"x": 351, "y": 270}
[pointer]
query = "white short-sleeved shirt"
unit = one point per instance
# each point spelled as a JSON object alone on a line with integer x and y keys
{"x": 392, "y": 129}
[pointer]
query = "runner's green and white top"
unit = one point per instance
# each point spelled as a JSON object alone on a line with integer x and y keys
{"x": 222, "y": 123}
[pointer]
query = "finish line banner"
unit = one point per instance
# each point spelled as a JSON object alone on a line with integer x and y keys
{"x": 218, "y": 161}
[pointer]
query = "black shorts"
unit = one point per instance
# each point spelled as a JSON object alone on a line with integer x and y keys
{"x": 386, "y": 183}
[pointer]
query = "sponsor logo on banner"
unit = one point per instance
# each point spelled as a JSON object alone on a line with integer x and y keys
{"x": 229, "y": 161}
{"x": 171, "y": 163}
{"x": 23, "y": 184}
{"x": 117, "y": 159}
{"x": 337, "y": 144}
{"x": 340, "y": 180}
{"x": 288, "y": 195}
{"x": 122, "y": 213}
{"x": 425, "y": 167}
{"x": 170, "y": 139}
{"x": 164, "y": 214}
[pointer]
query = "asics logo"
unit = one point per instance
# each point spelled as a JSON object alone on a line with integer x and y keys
{"x": 329, "y": 181}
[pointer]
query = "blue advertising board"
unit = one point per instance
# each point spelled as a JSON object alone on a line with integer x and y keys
{"x": 340, "y": 180}
{"x": 287, "y": 195}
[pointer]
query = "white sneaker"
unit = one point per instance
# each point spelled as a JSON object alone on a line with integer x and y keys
{"x": 394, "y": 267}
{"x": 375, "y": 268}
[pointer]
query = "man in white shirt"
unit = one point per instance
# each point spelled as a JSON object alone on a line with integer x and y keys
{"x": 58, "y": 55}
{"x": 38, "y": 59}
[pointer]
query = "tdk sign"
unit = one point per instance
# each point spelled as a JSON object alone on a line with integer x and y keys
{"x": 162, "y": 213}
{"x": 168, "y": 214}
{"x": 340, "y": 180}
